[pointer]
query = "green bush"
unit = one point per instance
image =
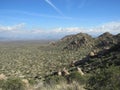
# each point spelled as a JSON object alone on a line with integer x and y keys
{"x": 105, "y": 79}
{"x": 76, "y": 76}
{"x": 32, "y": 81}
{"x": 13, "y": 84}
{"x": 1, "y": 83}
{"x": 54, "y": 79}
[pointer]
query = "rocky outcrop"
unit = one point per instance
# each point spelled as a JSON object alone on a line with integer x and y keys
{"x": 83, "y": 40}
{"x": 78, "y": 40}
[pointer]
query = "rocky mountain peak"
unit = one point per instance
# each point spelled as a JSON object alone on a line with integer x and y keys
{"x": 106, "y": 34}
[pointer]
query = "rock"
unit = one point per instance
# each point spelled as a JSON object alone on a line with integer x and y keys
{"x": 95, "y": 51}
{"x": 65, "y": 72}
{"x": 80, "y": 71}
{"x": 26, "y": 82}
{"x": 59, "y": 73}
{"x": 106, "y": 48}
{"x": 21, "y": 76}
{"x": 52, "y": 43}
{"x": 92, "y": 54}
{"x": 2, "y": 77}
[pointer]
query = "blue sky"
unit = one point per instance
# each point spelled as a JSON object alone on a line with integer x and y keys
{"x": 23, "y": 18}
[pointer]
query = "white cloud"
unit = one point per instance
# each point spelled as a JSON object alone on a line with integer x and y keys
{"x": 112, "y": 27}
{"x": 12, "y": 28}
{"x": 68, "y": 30}
{"x": 18, "y": 31}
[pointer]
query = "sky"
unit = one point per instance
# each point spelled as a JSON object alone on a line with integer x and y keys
{"x": 42, "y": 19}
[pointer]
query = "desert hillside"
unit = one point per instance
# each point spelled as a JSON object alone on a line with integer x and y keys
{"x": 73, "y": 58}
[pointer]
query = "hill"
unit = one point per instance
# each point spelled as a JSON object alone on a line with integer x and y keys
{"x": 79, "y": 40}
{"x": 100, "y": 52}
{"x": 98, "y": 70}
{"x": 72, "y": 57}
{"x": 83, "y": 40}
{"x": 106, "y": 57}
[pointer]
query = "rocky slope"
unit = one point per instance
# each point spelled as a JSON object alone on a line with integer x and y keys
{"x": 103, "y": 50}
{"x": 82, "y": 40}
{"x": 101, "y": 59}
{"x": 73, "y": 42}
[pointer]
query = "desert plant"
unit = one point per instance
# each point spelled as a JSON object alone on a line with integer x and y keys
{"x": 76, "y": 76}
{"x": 54, "y": 80}
{"x": 105, "y": 79}
{"x": 1, "y": 83}
{"x": 61, "y": 86}
{"x": 13, "y": 84}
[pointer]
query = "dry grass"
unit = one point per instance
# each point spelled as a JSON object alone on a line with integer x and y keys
{"x": 61, "y": 86}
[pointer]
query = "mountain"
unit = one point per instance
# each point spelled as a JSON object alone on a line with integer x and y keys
{"x": 100, "y": 64}
{"x": 93, "y": 51}
{"x": 79, "y": 40}
{"x": 104, "y": 52}
{"x": 103, "y": 58}
{"x": 83, "y": 40}
{"x": 106, "y": 40}
{"x": 117, "y": 37}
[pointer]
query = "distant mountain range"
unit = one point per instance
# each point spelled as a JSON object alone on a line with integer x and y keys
{"x": 83, "y": 40}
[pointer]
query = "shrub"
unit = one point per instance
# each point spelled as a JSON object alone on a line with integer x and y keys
{"x": 54, "y": 79}
{"x": 1, "y": 83}
{"x": 105, "y": 79}
{"x": 32, "y": 81}
{"x": 61, "y": 86}
{"x": 76, "y": 76}
{"x": 13, "y": 84}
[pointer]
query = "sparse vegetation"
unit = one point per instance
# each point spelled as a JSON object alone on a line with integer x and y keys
{"x": 62, "y": 86}
{"x": 12, "y": 84}
{"x": 35, "y": 62}
{"x": 55, "y": 80}
{"x": 76, "y": 76}
{"x": 105, "y": 79}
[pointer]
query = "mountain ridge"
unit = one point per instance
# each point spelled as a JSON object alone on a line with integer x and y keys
{"x": 83, "y": 40}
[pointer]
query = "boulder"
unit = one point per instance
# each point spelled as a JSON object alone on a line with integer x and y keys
{"x": 92, "y": 54}
{"x": 26, "y": 82}
{"x": 2, "y": 77}
{"x": 80, "y": 71}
